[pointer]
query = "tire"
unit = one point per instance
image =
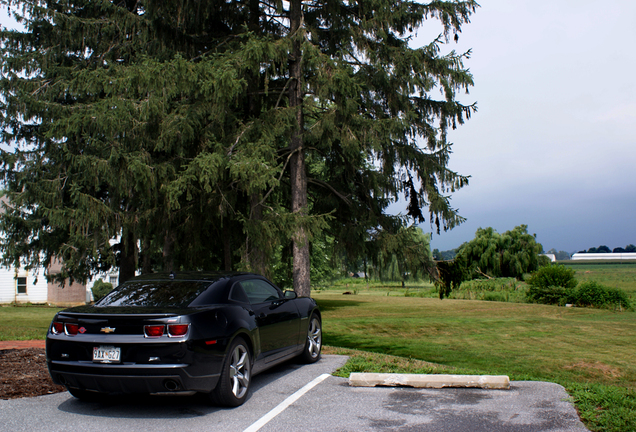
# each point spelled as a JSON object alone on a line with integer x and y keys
{"x": 313, "y": 344}
{"x": 85, "y": 395}
{"x": 234, "y": 382}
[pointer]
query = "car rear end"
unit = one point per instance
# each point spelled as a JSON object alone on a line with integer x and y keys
{"x": 122, "y": 350}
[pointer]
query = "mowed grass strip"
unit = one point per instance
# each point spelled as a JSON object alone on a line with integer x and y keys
{"x": 524, "y": 341}
{"x": 25, "y": 322}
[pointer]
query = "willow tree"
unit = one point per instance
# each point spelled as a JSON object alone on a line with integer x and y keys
{"x": 185, "y": 128}
{"x": 491, "y": 254}
{"x": 405, "y": 255}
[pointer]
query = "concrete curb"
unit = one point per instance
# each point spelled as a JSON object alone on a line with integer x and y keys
{"x": 501, "y": 382}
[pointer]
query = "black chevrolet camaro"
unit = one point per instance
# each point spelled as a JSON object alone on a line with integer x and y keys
{"x": 182, "y": 333}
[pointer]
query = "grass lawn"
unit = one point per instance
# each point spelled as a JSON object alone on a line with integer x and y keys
{"x": 589, "y": 351}
{"x": 25, "y": 322}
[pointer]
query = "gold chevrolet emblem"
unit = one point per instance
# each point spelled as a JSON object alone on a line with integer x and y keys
{"x": 107, "y": 330}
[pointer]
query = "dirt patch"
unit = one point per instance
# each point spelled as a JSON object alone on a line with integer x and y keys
{"x": 597, "y": 369}
{"x": 23, "y": 373}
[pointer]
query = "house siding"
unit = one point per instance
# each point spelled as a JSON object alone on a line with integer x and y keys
{"x": 36, "y": 287}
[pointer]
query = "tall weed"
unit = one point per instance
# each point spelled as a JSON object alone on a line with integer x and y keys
{"x": 496, "y": 289}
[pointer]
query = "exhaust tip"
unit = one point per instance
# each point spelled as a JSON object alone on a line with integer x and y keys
{"x": 171, "y": 385}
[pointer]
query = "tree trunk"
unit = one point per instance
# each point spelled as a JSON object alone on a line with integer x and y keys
{"x": 301, "y": 263}
{"x": 128, "y": 257}
{"x": 168, "y": 251}
{"x": 227, "y": 251}
{"x": 255, "y": 254}
{"x": 146, "y": 263}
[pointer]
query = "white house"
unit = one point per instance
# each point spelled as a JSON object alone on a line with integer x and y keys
{"x": 20, "y": 286}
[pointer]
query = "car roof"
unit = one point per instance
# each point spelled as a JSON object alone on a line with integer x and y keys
{"x": 218, "y": 283}
{"x": 203, "y": 276}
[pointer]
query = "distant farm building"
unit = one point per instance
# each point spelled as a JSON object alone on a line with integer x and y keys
{"x": 551, "y": 257}
{"x": 605, "y": 256}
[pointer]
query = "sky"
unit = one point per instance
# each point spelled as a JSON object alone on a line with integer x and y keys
{"x": 553, "y": 144}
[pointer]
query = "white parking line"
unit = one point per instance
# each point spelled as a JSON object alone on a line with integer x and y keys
{"x": 284, "y": 404}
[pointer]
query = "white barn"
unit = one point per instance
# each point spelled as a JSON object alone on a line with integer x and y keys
{"x": 605, "y": 256}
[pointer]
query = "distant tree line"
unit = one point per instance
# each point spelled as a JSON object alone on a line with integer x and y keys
{"x": 444, "y": 255}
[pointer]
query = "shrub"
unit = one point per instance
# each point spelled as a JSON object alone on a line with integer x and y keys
{"x": 100, "y": 289}
{"x": 555, "y": 295}
{"x": 618, "y": 298}
{"x": 551, "y": 284}
{"x": 556, "y": 275}
{"x": 594, "y": 294}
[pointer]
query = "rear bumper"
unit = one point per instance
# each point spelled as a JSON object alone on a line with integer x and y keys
{"x": 130, "y": 378}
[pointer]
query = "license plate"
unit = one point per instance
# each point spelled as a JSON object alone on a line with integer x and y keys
{"x": 106, "y": 354}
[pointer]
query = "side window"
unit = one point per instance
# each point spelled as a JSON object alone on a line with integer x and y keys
{"x": 21, "y": 285}
{"x": 259, "y": 291}
{"x": 238, "y": 294}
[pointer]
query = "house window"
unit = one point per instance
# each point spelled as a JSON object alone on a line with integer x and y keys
{"x": 113, "y": 280}
{"x": 22, "y": 285}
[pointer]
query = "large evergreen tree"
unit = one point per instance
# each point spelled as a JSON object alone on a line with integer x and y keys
{"x": 190, "y": 130}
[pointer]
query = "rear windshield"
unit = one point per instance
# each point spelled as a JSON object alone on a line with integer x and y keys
{"x": 155, "y": 294}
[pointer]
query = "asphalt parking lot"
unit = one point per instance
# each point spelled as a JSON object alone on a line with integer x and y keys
{"x": 305, "y": 397}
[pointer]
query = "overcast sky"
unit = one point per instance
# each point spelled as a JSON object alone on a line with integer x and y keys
{"x": 553, "y": 144}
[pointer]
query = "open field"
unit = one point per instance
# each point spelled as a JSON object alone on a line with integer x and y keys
{"x": 616, "y": 275}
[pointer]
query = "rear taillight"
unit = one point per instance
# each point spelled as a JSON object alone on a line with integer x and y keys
{"x": 71, "y": 328}
{"x": 57, "y": 328}
{"x": 153, "y": 330}
{"x": 176, "y": 330}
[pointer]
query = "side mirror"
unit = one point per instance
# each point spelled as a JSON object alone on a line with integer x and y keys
{"x": 290, "y": 294}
